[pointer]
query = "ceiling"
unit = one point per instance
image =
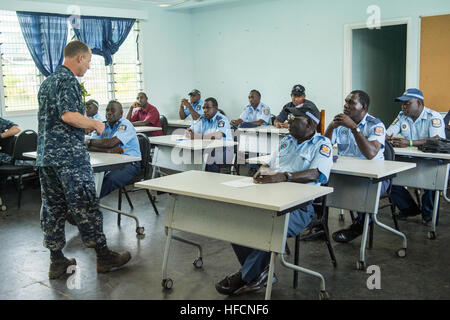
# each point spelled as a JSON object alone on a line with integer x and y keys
{"x": 183, "y": 4}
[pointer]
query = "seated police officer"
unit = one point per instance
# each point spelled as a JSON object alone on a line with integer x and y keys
{"x": 7, "y": 129}
{"x": 303, "y": 157}
{"x": 415, "y": 123}
{"x": 299, "y": 100}
{"x": 213, "y": 125}
{"x": 92, "y": 110}
{"x": 119, "y": 137}
{"x": 360, "y": 135}
{"x": 255, "y": 114}
{"x": 192, "y": 107}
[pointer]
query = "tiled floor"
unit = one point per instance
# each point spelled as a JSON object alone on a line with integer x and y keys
{"x": 24, "y": 262}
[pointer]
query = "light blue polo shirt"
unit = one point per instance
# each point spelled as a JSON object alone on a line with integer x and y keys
{"x": 196, "y": 106}
{"x": 126, "y": 133}
{"x": 217, "y": 123}
{"x": 251, "y": 115}
{"x": 429, "y": 124}
{"x": 372, "y": 128}
{"x": 315, "y": 153}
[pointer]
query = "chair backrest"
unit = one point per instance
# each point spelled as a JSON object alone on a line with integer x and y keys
{"x": 164, "y": 124}
{"x": 272, "y": 118}
{"x": 389, "y": 153}
{"x": 144, "y": 146}
{"x": 26, "y": 141}
{"x": 7, "y": 145}
{"x": 321, "y": 124}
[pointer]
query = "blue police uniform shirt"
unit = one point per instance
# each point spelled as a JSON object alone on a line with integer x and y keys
{"x": 372, "y": 128}
{"x": 126, "y": 133}
{"x": 96, "y": 117}
{"x": 250, "y": 114}
{"x": 315, "y": 153}
{"x": 217, "y": 123}
{"x": 60, "y": 144}
{"x": 6, "y": 124}
{"x": 196, "y": 106}
{"x": 429, "y": 124}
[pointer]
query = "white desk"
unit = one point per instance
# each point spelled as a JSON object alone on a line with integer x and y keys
{"x": 174, "y": 124}
{"x": 357, "y": 187}
{"x": 199, "y": 203}
{"x": 100, "y": 163}
{"x": 145, "y": 129}
{"x": 260, "y": 140}
{"x": 176, "y": 152}
{"x": 431, "y": 173}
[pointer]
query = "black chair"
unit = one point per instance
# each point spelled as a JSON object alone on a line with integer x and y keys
{"x": 164, "y": 124}
{"x": 144, "y": 145}
{"x": 322, "y": 216}
{"x": 26, "y": 141}
{"x": 389, "y": 154}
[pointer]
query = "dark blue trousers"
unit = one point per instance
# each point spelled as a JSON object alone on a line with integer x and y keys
{"x": 254, "y": 261}
{"x": 403, "y": 200}
{"x": 117, "y": 179}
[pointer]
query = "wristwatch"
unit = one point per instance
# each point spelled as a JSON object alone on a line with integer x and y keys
{"x": 357, "y": 129}
{"x": 288, "y": 176}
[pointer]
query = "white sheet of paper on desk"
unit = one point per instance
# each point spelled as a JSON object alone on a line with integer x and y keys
{"x": 242, "y": 183}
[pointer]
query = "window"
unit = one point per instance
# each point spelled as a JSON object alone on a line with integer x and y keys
{"x": 21, "y": 79}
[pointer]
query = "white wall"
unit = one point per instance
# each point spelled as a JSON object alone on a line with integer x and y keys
{"x": 272, "y": 45}
{"x": 166, "y": 47}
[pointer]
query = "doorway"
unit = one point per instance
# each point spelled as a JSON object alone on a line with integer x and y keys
{"x": 378, "y": 67}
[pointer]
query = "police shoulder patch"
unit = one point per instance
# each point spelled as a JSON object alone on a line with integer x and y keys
{"x": 283, "y": 146}
{"x": 404, "y": 126}
{"x": 379, "y": 131}
{"x": 221, "y": 124}
{"x": 325, "y": 150}
{"x": 266, "y": 111}
{"x": 436, "y": 123}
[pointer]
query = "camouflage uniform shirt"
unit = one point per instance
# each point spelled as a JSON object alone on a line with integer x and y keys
{"x": 60, "y": 144}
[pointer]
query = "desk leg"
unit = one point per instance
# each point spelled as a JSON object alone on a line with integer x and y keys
{"x": 166, "y": 282}
{"x": 270, "y": 278}
{"x": 401, "y": 252}
{"x": 323, "y": 293}
{"x": 432, "y": 232}
{"x": 98, "y": 177}
{"x": 361, "y": 264}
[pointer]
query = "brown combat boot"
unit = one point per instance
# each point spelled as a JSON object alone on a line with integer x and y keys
{"x": 58, "y": 267}
{"x": 108, "y": 260}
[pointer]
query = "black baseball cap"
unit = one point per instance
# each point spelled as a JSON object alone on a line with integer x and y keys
{"x": 298, "y": 90}
{"x": 308, "y": 110}
{"x": 194, "y": 92}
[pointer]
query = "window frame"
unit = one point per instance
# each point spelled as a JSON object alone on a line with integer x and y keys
{"x": 140, "y": 84}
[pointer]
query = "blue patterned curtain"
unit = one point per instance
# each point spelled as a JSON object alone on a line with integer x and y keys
{"x": 45, "y": 36}
{"x": 103, "y": 35}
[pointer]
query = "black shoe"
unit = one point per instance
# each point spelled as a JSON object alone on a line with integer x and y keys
{"x": 347, "y": 235}
{"x": 426, "y": 219}
{"x": 410, "y": 212}
{"x": 315, "y": 233}
{"x": 261, "y": 281}
{"x": 252, "y": 172}
{"x": 232, "y": 284}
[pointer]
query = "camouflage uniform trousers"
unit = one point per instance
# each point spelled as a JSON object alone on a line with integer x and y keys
{"x": 5, "y": 158}
{"x": 70, "y": 189}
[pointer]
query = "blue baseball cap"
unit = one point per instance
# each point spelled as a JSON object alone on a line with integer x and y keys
{"x": 409, "y": 94}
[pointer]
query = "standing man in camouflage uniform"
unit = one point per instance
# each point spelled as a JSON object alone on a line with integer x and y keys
{"x": 66, "y": 176}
